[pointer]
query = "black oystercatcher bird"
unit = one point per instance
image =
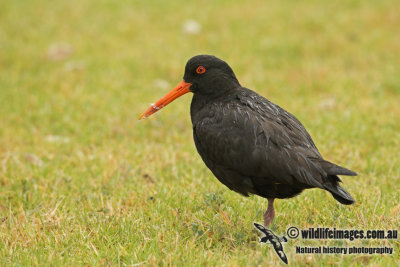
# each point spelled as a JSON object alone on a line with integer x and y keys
{"x": 251, "y": 145}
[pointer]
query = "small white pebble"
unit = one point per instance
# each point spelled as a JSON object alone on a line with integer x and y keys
{"x": 74, "y": 65}
{"x": 59, "y": 51}
{"x": 191, "y": 26}
{"x": 161, "y": 84}
{"x": 35, "y": 160}
{"x": 57, "y": 139}
{"x": 327, "y": 103}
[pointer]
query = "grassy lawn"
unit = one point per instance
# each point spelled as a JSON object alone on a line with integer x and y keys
{"x": 83, "y": 182}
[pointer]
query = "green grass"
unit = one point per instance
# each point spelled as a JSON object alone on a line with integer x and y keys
{"x": 82, "y": 182}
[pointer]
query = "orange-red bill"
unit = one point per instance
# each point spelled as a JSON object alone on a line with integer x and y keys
{"x": 181, "y": 89}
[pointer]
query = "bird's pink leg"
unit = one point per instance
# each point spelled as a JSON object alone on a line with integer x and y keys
{"x": 270, "y": 213}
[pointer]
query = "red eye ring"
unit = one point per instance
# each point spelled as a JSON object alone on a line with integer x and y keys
{"x": 200, "y": 70}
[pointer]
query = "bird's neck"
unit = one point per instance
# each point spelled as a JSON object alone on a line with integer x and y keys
{"x": 203, "y": 104}
{"x": 198, "y": 102}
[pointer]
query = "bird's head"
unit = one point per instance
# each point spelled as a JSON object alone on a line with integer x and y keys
{"x": 209, "y": 75}
{"x": 204, "y": 75}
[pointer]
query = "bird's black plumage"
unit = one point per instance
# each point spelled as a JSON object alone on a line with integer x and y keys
{"x": 250, "y": 144}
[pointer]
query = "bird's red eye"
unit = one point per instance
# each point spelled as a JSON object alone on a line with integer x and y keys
{"x": 200, "y": 70}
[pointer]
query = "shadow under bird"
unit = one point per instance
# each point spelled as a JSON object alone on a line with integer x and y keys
{"x": 250, "y": 144}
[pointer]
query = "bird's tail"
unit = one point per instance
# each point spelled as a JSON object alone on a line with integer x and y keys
{"x": 338, "y": 192}
{"x": 333, "y": 169}
{"x": 332, "y": 184}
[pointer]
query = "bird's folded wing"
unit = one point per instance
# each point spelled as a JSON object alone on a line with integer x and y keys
{"x": 268, "y": 144}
